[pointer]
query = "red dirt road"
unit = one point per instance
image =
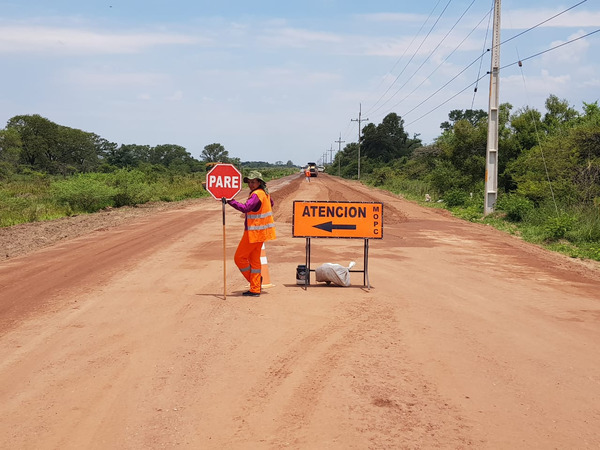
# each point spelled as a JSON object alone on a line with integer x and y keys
{"x": 468, "y": 338}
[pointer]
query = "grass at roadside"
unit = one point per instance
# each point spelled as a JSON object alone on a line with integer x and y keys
{"x": 39, "y": 197}
{"x": 573, "y": 231}
{"x": 35, "y": 197}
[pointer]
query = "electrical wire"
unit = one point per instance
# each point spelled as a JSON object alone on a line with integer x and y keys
{"x": 447, "y": 83}
{"x": 550, "y": 49}
{"x": 446, "y": 101}
{"x": 541, "y": 23}
{"x": 508, "y": 65}
{"x": 537, "y": 136}
{"x": 487, "y": 32}
{"x": 480, "y": 58}
{"x": 404, "y": 53}
{"x": 427, "y": 59}
{"x": 468, "y": 66}
{"x": 369, "y": 111}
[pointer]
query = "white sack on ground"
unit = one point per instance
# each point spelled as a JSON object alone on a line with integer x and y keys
{"x": 334, "y": 273}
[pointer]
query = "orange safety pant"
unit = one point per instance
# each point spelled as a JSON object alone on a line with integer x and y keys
{"x": 247, "y": 258}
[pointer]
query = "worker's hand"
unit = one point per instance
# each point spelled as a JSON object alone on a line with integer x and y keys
{"x": 224, "y": 200}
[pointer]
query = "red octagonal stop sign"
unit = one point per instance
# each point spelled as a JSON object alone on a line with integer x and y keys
{"x": 224, "y": 180}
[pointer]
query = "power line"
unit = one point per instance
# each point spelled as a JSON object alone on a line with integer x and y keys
{"x": 550, "y": 49}
{"x": 541, "y": 23}
{"x": 446, "y": 101}
{"x": 429, "y": 56}
{"x": 450, "y": 81}
{"x": 402, "y": 56}
{"x": 479, "y": 78}
{"x": 476, "y": 81}
{"x": 339, "y": 142}
{"x": 446, "y": 59}
{"x": 482, "y": 53}
{"x": 410, "y": 60}
{"x": 359, "y": 120}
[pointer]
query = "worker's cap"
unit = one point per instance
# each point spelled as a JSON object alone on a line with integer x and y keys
{"x": 254, "y": 175}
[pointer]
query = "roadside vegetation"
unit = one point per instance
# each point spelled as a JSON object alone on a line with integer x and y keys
{"x": 48, "y": 171}
{"x": 548, "y": 171}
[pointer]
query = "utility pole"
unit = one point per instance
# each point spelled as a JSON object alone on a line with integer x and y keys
{"x": 359, "y": 120}
{"x": 340, "y": 142}
{"x": 491, "y": 157}
{"x": 331, "y": 154}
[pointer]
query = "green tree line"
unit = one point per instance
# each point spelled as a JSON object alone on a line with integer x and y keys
{"x": 35, "y": 143}
{"x": 548, "y": 168}
{"x": 49, "y": 171}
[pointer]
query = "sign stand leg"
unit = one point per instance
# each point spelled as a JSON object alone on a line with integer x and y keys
{"x": 366, "y": 266}
{"x": 224, "y": 258}
{"x": 307, "y": 277}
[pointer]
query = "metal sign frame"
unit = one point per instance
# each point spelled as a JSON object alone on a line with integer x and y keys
{"x": 345, "y": 233}
{"x": 365, "y": 270}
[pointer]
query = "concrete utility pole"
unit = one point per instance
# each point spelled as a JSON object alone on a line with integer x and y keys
{"x": 339, "y": 141}
{"x": 491, "y": 157}
{"x": 359, "y": 120}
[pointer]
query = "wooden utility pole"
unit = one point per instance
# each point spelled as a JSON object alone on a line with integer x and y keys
{"x": 339, "y": 141}
{"x": 359, "y": 120}
{"x": 491, "y": 157}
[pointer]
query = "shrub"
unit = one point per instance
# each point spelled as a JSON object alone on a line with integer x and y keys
{"x": 445, "y": 177}
{"x": 83, "y": 193}
{"x": 587, "y": 228}
{"x": 515, "y": 206}
{"x": 131, "y": 188}
{"x": 455, "y": 197}
{"x": 381, "y": 175}
{"x": 557, "y": 227}
{"x": 472, "y": 213}
{"x": 6, "y": 170}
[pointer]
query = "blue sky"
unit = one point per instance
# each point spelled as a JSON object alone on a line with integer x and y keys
{"x": 278, "y": 81}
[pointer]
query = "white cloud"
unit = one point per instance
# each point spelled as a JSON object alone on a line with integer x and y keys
{"x": 592, "y": 82}
{"x": 45, "y": 39}
{"x": 544, "y": 83}
{"x": 176, "y": 96}
{"x": 527, "y": 18}
{"x": 394, "y": 17}
{"x": 297, "y": 38}
{"x": 572, "y": 53}
{"x": 108, "y": 78}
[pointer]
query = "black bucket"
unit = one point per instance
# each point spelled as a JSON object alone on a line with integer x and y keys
{"x": 301, "y": 274}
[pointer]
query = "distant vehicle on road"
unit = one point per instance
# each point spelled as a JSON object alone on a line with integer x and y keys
{"x": 313, "y": 169}
{"x": 321, "y": 168}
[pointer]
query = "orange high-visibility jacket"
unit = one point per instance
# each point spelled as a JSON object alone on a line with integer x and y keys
{"x": 261, "y": 225}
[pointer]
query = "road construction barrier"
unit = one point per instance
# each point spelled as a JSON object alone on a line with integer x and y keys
{"x": 264, "y": 269}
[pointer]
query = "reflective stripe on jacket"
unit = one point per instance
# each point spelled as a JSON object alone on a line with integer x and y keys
{"x": 261, "y": 225}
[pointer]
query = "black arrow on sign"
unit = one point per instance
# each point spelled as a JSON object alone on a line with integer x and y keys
{"x": 329, "y": 226}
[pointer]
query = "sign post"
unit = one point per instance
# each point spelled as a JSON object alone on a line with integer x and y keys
{"x": 350, "y": 220}
{"x": 224, "y": 181}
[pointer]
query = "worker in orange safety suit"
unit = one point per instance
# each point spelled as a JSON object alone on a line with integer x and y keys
{"x": 259, "y": 226}
{"x": 307, "y": 174}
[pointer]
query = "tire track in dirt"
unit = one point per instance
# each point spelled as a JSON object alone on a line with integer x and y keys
{"x": 337, "y": 355}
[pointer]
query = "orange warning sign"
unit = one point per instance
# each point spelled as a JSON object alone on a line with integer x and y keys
{"x": 361, "y": 220}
